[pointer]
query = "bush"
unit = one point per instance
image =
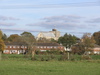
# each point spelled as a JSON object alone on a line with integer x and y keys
{"x": 85, "y": 57}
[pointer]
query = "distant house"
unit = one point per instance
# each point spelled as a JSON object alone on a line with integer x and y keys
{"x": 14, "y": 48}
{"x": 54, "y": 34}
{"x": 17, "y": 48}
{"x": 96, "y": 49}
{"x": 49, "y": 46}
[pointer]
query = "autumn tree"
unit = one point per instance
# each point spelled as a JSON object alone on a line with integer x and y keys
{"x": 88, "y": 41}
{"x": 13, "y": 38}
{"x": 85, "y": 46}
{"x": 2, "y": 45}
{"x": 96, "y": 36}
{"x": 30, "y": 40}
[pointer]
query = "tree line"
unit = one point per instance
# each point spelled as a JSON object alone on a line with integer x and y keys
{"x": 79, "y": 45}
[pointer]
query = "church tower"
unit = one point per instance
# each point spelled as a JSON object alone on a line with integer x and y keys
{"x": 56, "y": 33}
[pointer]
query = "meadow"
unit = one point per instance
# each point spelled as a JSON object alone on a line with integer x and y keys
{"x": 14, "y": 65}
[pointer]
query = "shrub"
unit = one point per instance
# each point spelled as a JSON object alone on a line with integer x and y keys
{"x": 85, "y": 57}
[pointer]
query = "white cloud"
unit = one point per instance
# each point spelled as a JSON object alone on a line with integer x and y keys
{"x": 61, "y": 22}
{"x": 8, "y": 18}
{"x": 66, "y": 18}
{"x": 95, "y": 20}
{"x": 7, "y": 24}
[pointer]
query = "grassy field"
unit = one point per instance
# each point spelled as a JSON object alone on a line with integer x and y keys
{"x": 21, "y": 65}
{"x": 50, "y": 57}
{"x": 15, "y": 67}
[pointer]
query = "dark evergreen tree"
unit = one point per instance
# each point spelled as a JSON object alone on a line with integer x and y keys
{"x": 67, "y": 40}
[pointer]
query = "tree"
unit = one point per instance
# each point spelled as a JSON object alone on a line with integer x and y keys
{"x": 2, "y": 45}
{"x": 96, "y": 36}
{"x": 67, "y": 40}
{"x": 43, "y": 40}
{"x": 30, "y": 40}
{"x": 13, "y": 37}
{"x": 88, "y": 41}
{"x": 85, "y": 46}
{"x": 78, "y": 49}
{"x": 4, "y": 37}
{"x": 46, "y": 40}
{"x": 1, "y": 34}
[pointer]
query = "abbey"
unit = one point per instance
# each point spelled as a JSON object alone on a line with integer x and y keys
{"x": 54, "y": 34}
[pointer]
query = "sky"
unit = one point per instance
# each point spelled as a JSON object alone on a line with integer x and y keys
{"x": 74, "y": 17}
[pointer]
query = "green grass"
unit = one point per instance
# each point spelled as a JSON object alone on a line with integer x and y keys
{"x": 47, "y": 57}
{"x": 16, "y": 67}
{"x": 13, "y": 64}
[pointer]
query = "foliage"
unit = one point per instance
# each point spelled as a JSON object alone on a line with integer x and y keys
{"x": 56, "y": 57}
{"x": 13, "y": 38}
{"x": 53, "y": 40}
{"x": 2, "y": 45}
{"x": 4, "y": 37}
{"x": 96, "y": 36}
{"x": 1, "y": 34}
{"x": 67, "y": 40}
{"x": 78, "y": 49}
{"x": 88, "y": 42}
{"x": 28, "y": 37}
{"x": 46, "y": 40}
{"x": 85, "y": 57}
{"x": 43, "y": 40}
{"x": 30, "y": 40}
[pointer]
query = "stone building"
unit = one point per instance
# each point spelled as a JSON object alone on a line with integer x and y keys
{"x": 54, "y": 34}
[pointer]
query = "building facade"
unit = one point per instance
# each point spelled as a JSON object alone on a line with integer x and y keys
{"x": 15, "y": 48}
{"x": 96, "y": 49}
{"x": 54, "y": 34}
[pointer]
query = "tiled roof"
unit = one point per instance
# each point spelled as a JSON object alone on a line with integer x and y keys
{"x": 38, "y": 44}
{"x": 48, "y": 44}
{"x": 48, "y": 34}
{"x": 14, "y": 43}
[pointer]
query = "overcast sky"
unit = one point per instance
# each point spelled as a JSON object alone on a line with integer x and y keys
{"x": 67, "y": 16}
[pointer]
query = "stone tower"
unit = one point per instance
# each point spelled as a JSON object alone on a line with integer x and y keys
{"x": 56, "y": 33}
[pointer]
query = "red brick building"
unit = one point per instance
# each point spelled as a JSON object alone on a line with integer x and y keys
{"x": 17, "y": 48}
{"x": 96, "y": 49}
{"x": 14, "y": 48}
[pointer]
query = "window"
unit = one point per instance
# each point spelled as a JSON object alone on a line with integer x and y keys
{"x": 14, "y": 51}
{"x": 5, "y": 51}
{"x": 55, "y": 47}
{"x": 51, "y": 47}
{"x": 38, "y": 47}
{"x": 44, "y": 46}
{"x": 20, "y": 51}
{"x": 25, "y": 46}
{"x": 18, "y": 47}
{"x": 41, "y": 47}
{"x": 22, "y": 46}
{"x": 48, "y": 47}
{"x": 14, "y": 46}
{"x": 10, "y": 46}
